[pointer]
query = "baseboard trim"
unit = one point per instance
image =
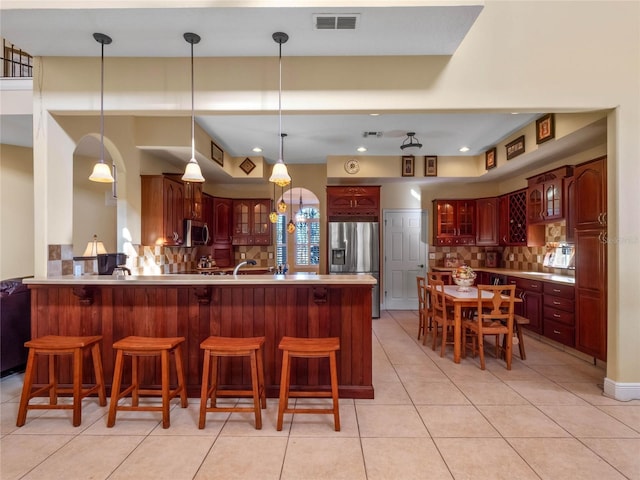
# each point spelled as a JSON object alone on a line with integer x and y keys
{"x": 622, "y": 391}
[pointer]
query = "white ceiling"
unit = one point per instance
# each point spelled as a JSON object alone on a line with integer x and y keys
{"x": 148, "y": 32}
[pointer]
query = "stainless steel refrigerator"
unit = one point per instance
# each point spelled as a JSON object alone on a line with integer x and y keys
{"x": 354, "y": 247}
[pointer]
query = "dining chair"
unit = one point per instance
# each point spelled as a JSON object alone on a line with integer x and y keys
{"x": 422, "y": 305}
{"x": 440, "y": 315}
{"x": 494, "y": 317}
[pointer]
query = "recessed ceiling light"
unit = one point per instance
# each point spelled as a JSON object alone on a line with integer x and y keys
{"x": 464, "y": 149}
{"x": 257, "y": 149}
{"x": 362, "y": 149}
{"x": 374, "y": 114}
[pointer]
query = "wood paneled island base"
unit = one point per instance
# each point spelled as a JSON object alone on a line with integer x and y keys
{"x": 196, "y": 307}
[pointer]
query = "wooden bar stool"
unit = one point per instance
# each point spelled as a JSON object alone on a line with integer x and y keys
{"x": 216, "y": 347}
{"x": 308, "y": 348}
{"x": 55, "y": 346}
{"x": 137, "y": 347}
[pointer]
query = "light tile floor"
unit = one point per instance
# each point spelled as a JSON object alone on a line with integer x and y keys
{"x": 546, "y": 418}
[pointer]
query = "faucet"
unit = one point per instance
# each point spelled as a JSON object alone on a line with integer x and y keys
{"x": 246, "y": 262}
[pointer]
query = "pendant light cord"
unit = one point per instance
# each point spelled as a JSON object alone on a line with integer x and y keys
{"x": 280, "y": 98}
{"x": 102, "y": 103}
{"x": 193, "y": 128}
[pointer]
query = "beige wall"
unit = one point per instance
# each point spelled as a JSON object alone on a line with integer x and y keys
{"x": 16, "y": 212}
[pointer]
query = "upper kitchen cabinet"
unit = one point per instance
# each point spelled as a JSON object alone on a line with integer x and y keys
{"x": 487, "y": 225}
{"x": 163, "y": 201}
{"x": 545, "y": 196}
{"x": 353, "y": 202}
{"x": 251, "y": 225}
{"x": 570, "y": 205}
{"x": 590, "y": 210}
{"x": 193, "y": 201}
{"x": 514, "y": 230}
{"x": 454, "y": 222}
{"x": 221, "y": 225}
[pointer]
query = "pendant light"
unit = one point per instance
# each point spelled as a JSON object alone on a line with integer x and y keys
{"x": 273, "y": 215}
{"x": 192, "y": 172}
{"x": 101, "y": 171}
{"x": 291, "y": 227}
{"x": 300, "y": 217}
{"x": 282, "y": 205}
{"x": 279, "y": 174}
{"x": 410, "y": 143}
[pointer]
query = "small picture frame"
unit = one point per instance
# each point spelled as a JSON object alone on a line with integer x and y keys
{"x": 408, "y": 165}
{"x": 515, "y": 148}
{"x": 247, "y": 165}
{"x": 217, "y": 154}
{"x": 490, "y": 160}
{"x": 545, "y": 128}
{"x": 430, "y": 166}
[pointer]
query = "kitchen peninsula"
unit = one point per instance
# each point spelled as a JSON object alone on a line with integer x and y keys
{"x": 197, "y": 306}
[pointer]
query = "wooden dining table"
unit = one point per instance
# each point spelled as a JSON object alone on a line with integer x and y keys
{"x": 459, "y": 300}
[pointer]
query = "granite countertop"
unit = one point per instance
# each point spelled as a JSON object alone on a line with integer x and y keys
{"x": 196, "y": 280}
{"x": 543, "y": 276}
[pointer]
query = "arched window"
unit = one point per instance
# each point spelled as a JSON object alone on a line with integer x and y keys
{"x": 299, "y": 250}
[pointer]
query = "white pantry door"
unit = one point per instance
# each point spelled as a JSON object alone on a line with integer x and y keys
{"x": 405, "y": 254}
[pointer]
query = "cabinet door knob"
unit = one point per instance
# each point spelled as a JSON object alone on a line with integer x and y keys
{"x": 557, "y": 332}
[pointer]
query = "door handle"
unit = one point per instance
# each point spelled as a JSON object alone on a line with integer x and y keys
{"x": 421, "y": 265}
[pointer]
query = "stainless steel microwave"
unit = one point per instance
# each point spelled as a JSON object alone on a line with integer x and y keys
{"x": 195, "y": 233}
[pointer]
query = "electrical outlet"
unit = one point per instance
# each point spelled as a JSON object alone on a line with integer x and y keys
{"x": 432, "y": 256}
{"x": 270, "y": 255}
{"x": 511, "y": 257}
{"x": 243, "y": 256}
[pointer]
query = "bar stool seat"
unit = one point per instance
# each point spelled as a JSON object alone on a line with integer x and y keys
{"x": 215, "y": 347}
{"x": 308, "y": 348}
{"x": 137, "y": 347}
{"x": 54, "y": 346}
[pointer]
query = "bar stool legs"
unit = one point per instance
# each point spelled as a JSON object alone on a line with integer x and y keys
{"x": 54, "y": 346}
{"x": 136, "y": 347}
{"x": 216, "y": 347}
{"x": 308, "y": 348}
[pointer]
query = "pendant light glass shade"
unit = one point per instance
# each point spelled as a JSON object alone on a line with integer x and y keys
{"x": 273, "y": 215}
{"x": 279, "y": 174}
{"x": 192, "y": 172}
{"x": 101, "y": 172}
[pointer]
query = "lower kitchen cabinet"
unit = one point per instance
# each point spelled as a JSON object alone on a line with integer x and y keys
{"x": 558, "y": 313}
{"x": 530, "y": 291}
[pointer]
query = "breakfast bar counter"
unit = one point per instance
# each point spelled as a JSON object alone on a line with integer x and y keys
{"x": 197, "y": 306}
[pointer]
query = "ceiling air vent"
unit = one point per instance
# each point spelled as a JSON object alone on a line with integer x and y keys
{"x": 334, "y": 21}
{"x": 372, "y": 134}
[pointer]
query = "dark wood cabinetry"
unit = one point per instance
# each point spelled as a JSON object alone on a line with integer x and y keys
{"x": 558, "y": 313}
{"x": 513, "y": 218}
{"x": 162, "y": 202}
{"x": 454, "y": 222}
{"x": 353, "y": 201}
{"x": 487, "y": 221}
{"x": 545, "y": 196}
{"x": 251, "y": 224}
{"x": 570, "y": 203}
{"x": 591, "y": 257}
{"x": 530, "y": 291}
{"x": 193, "y": 207}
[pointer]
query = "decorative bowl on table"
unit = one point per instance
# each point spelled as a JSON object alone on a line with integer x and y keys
{"x": 464, "y": 277}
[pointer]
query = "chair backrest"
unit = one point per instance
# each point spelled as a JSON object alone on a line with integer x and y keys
{"x": 444, "y": 277}
{"x": 420, "y": 280}
{"x": 499, "y": 309}
{"x": 438, "y": 302}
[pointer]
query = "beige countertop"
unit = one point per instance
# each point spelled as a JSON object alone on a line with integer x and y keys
{"x": 544, "y": 276}
{"x": 196, "y": 280}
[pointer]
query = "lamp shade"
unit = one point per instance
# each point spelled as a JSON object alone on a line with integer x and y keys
{"x": 101, "y": 173}
{"x": 94, "y": 247}
{"x": 280, "y": 175}
{"x": 192, "y": 172}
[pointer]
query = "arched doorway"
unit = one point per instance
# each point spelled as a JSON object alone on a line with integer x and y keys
{"x": 298, "y": 231}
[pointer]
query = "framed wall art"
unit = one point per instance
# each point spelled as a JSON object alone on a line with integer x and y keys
{"x": 217, "y": 154}
{"x": 545, "y": 128}
{"x": 408, "y": 165}
{"x": 515, "y": 148}
{"x": 247, "y": 165}
{"x": 490, "y": 159}
{"x": 430, "y": 166}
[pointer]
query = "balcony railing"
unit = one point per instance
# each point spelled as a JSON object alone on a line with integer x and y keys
{"x": 16, "y": 63}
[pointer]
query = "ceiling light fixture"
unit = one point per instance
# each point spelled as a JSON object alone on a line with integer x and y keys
{"x": 192, "y": 172}
{"x": 464, "y": 149}
{"x": 410, "y": 143}
{"x": 300, "y": 216}
{"x": 361, "y": 149}
{"x": 101, "y": 172}
{"x": 279, "y": 174}
{"x": 291, "y": 227}
{"x": 282, "y": 205}
{"x": 273, "y": 215}
{"x": 256, "y": 149}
